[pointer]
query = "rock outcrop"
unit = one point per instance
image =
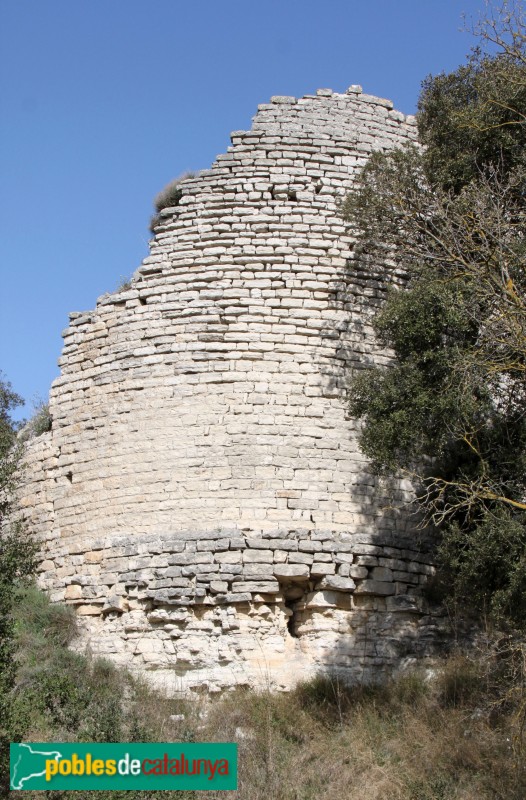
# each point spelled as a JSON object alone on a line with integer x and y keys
{"x": 201, "y": 497}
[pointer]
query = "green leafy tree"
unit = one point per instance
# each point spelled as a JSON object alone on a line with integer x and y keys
{"x": 451, "y": 410}
{"x": 17, "y": 553}
{"x": 8, "y": 454}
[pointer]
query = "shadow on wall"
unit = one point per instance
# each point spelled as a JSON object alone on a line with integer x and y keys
{"x": 389, "y": 554}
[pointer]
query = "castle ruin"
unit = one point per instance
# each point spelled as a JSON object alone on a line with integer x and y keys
{"x": 201, "y": 497}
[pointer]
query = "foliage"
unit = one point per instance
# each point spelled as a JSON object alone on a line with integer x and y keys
{"x": 40, "y": 422}
{"x": 486, "y": 565}
{"x": 8, "y": 452}
{"x": 172, "y": 192}
{"x": 451, "y": 411}
{"x": 460, "y": 730}
{"x": 474, "y": 117}
{"x": 64, "y": 692}
{"x": 8, "y": 401}
{"x": 17, "y": 555}
{"x": 61, "y": 695}
{"x": 58, "y": 688}
{"x": 124, "y": 284}
{"x": 169, "y": 197}
{"x": 42, "y": 419}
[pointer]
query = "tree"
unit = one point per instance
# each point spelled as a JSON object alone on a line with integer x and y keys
{"x": 451, "y": 410}
{"x": 8, "y": 401}
{"x": 17, "y": 554}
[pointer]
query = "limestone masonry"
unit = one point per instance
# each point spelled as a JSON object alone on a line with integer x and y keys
{"x": 201, "y": 496}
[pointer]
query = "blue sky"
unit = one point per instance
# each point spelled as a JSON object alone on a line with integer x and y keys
{"x": 102, "y": 102}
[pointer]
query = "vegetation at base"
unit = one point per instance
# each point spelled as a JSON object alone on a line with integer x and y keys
{"x": 457, "y": 733}
{"x": 61, "y": 695}
{"x": 450, "y": 413}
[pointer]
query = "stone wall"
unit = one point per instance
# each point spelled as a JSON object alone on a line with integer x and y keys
{"x": 201, "y": 497}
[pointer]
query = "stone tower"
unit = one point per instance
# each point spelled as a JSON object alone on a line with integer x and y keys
{"x": 201, "y": 496}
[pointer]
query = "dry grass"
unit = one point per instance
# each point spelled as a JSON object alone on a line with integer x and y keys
{"x": 169, "y": 197}
{"x": 454, "y": 735}
{"x": 411, "y": 740}
{"x": 403, "y": 742}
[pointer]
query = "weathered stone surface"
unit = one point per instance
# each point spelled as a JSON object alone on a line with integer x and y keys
{"x": 322, "y": 600}
{"x": 202, "y": 492}
{"x": 404, "y": 602}
{"x": 87, "y": 610}
{"x": 322, "y": 568}
{"x": 291, "y": 571}
{"x": 338, "y": 583}
{"x": 94, "y": 557}
{"x": 73, "y": 592}
{"x": 375, "y": 587}
{"x": 115, "y": 604}
{"x": 381, "y": 574}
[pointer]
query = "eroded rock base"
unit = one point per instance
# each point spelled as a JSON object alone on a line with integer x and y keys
{"x": 219, "y": 609}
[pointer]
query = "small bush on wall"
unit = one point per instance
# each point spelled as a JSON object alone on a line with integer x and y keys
{"x": 169, "y": 196}
{"x": 39, "y": 423}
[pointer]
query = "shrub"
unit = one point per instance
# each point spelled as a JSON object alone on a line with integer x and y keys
{"x": 486, "y": 566}
{"x": 57, "y": 689}
{"x": 169, "y": 197}
{"x": 42, "y": 626}
{"x": 455, "y": 736}
{"x": 41, "y": 422}
{"x": 125, "y": 283}
{"x": 17, "y": 563}
{"x": 154, "y": 221}
{"x": 460, "y": 682}
{"x": 63, "y": 693}
{"x": 172, "y": 192}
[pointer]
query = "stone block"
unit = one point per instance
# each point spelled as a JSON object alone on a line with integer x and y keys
{"x": 258, "y": 570}
{"x": 318, "y": 569}
{"x": 291, "y": 571}
{"x": 238, "y": 597}
{"x": 258, "y": 556}
{"x": 93, "y": 557}
{"x": 115, "y": 604}
{"x": 381, "y": 574}
{"x": 89, "y": 610}
{"x": 338, "y": 583}
{"x": 308, "y": 546}
{"x": 73, "y": 592}
{"x": 216, "y": 587}
{"x": 375, "y": 587}
{"x": 264, "y": 587}
{"x": 366, "y": 561}
{"x": 358, "y": 573}
{"x": 229, "y": 557}
{"x": 300, "y": 558}
{"x": 322, "y": 599}
{"x": 404, "y": 602}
